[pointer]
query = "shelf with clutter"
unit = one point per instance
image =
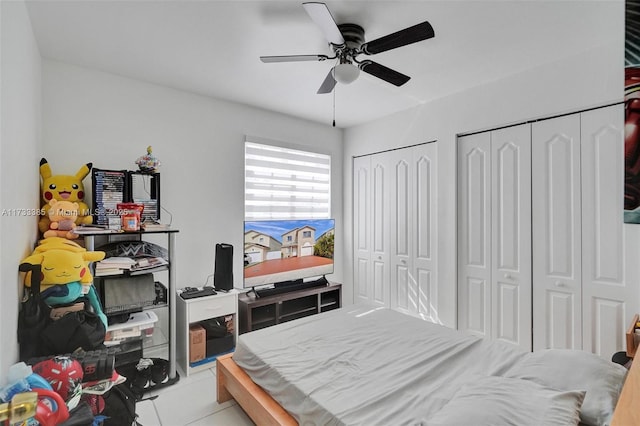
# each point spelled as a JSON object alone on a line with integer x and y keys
{"x": 63, "y": 320}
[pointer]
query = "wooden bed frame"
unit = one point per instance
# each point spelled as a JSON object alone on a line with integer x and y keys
{"x": 234, "y": 383}
{"x": 627, "y": 412}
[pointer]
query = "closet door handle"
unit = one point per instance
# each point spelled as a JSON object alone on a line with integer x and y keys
{"x": 560, "y": 284}
{"x": 508, "y": 277}
{"x": 404, "y": 261}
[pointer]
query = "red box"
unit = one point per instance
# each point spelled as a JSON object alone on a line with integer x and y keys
{"x": 130, "y": 215}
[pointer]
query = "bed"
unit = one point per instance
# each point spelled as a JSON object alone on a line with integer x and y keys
{"x": 367, "y": 365}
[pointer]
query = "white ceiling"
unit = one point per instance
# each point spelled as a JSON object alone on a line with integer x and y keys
{"x": 212, "y": 47}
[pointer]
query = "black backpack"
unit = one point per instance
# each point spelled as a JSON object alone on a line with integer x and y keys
{"x": 81, "y": 329}
{"x": 120, "y": 407}
{"x": 39, "y": 335}
{"x": 34, "y": 315}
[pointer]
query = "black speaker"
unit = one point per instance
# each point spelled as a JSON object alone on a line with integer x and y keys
{"x": 223, "y": 270}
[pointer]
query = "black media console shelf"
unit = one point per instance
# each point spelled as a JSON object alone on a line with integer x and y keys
{"x": 256, "y": 313}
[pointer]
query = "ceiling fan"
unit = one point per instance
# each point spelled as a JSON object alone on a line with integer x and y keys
{"x": 347, "y": 42}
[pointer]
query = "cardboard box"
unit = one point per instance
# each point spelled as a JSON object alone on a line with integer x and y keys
{"x": 197, "y": 343}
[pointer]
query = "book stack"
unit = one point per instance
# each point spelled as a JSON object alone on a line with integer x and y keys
{"x": 86, "y": 229}
{"x": 154, "y": 226}
{"x": 130, "y": 265}
{"x": 114, "y": 266}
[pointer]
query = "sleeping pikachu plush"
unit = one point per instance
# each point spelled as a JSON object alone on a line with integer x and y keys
{"x": 65, "y": 272}
{"x": 59, "y": 243}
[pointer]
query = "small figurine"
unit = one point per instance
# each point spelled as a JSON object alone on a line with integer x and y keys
{"x": 148, "y": 163}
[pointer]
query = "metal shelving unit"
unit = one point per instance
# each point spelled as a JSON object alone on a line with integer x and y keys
{"x": 89, "y": 239}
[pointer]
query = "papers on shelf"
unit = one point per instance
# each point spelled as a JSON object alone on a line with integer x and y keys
{"x": 103, "y": 272}
{"x": 82, "y": 230}
{"x": 120, "y": 265}
{"x": 154, "y": 226}
{"x": 118, "y": 261}
{"x": 143, "y": 263}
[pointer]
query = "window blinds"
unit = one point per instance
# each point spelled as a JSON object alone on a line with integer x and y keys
{"x": 283, "y": 183}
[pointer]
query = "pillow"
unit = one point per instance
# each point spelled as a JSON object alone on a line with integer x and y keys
{"x": 566, "y": 369}
{"x": 496, "y": 400}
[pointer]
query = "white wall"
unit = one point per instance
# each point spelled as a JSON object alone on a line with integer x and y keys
{"x": 91, "y": 116}
{"x": 20, "y": 146}
{"x": 590, "y": 78}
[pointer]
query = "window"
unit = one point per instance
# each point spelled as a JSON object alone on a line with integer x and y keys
{"x": 283, "y": 183}
{"x": 306, "y": 234}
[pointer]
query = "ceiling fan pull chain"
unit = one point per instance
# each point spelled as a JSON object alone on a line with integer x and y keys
{"x": 334, "y": 107}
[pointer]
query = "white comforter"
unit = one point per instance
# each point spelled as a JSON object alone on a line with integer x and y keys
{"x": 367, "y": 366}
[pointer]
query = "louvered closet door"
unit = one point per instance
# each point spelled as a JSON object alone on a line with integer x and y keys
{"x": 414, "y": 231}
{"x": 363, "y": 286}
{"x": 606, "y": 292}
{"x": 557, "y": 229}
{"x": 511, "y": 235}
{"x": 474, "y": 234}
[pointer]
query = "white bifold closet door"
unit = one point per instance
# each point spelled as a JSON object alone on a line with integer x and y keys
{"x": 395, "y": 229}
{"x": 371, "y": 201}
{"x": 494, "y": 235}
{"x": 580, "y": 293}
{"x": 557, "y": 221}
{"x": 609, "y": 296}
{"x": 413, "y": 235}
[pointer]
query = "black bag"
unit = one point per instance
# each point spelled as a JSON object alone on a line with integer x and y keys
{"x": 39, "y": 335}
{"x": 82, "y": 329}
{"x": 120, "y": 406}
{"x": 33, "y": 317}
{"x": 81, "y": 415}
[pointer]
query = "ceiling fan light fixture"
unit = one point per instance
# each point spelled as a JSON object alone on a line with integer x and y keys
{"x": 345, "y": 73}
{"x": 347, "y": 42}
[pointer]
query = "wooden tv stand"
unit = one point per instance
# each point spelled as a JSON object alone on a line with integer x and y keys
{"x": 260, "y": 312}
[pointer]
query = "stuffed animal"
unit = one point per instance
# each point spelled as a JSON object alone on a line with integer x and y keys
{"x": 63, "y": 188}
{"x": 58, "y": 243}
{"x": 62, "y": 216}
{"x": 62, "y": 243}
{"x": 63, "y": 268}
{"x": 63, "y": 263}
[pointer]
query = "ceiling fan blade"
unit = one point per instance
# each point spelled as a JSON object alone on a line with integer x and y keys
{"x": 328, "y": 84}
{"x": 400, "y": 38}
{"x": 320, "y": 14}
{"x": 293, "y": 58}
{"x": 384, "y": 73}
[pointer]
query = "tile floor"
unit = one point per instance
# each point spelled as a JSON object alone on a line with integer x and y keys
{"x": 190, "y": 402}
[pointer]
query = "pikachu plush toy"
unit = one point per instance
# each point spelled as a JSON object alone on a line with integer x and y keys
{"x": 65, "y": 273}
{"x": 63, "y": 188}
